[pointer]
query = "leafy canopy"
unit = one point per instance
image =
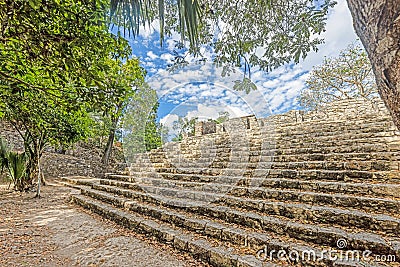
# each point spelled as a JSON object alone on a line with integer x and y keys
{"x": 246, "y": 33}
{"x": 57, "y": 47}
{"x": 349, "y": 75}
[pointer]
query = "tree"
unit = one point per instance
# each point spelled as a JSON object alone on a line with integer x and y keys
{"x": 54, "y": 47}
{"x": 347, "y": 76}
{"x": 121, "y": 81}
{"x": 248, "y": 33}
{"x": 42, "y": 120}
{"x": 377, "y": 23}
{"x": 184, "y": 125}
{"x": 153, "y": 130}
{"x": 140, "y": 129}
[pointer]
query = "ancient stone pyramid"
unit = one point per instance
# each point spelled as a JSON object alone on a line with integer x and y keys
{"x": 299, "y": 189}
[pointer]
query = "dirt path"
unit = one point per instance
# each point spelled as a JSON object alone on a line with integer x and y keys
{"x": 51, "y": 232}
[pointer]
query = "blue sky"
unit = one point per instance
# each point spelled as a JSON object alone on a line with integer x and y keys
{"x": 195, "y": 94}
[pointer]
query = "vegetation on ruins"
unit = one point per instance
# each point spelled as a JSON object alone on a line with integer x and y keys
{"x": 223, "y": 116}
{"x": 184, "y": 125}
{"x": 347, "y": 76}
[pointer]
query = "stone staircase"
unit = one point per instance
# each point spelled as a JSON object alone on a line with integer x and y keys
{"x": 296, "y": 189}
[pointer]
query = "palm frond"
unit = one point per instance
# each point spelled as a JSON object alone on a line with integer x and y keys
{"x": 17, "y": 166}
{"x": 161, "y": 11}
{"x": 130, "y": 14}
{"x": 189, "y": 13}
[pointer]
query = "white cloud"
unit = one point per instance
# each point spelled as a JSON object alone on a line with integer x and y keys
{"x": 338, "y": 35}
{"x": 151, "y": 55}
{"x": 168, "y": 122}
{"x": 147, "y": 30}
{"x": 167, "y": 57}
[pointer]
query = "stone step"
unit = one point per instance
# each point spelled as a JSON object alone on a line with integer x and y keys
{"x": 381, "y": 165}
{"x": 216, "y": 255}
{"x": 374, "y": 204}
{"x": 320, "y": 128}
{"x": 80, "y": 180}
{"x": 217, "y": 229}
{"x": 323, "y": 235}
{"x": 287, "y": 143}
{"x": 243, "y": 153}
{"x": 363, "y": 188}
{"x": 326, "y": 128}
{"x": 202, "y": 174}
{"x": 201, "y": 224}
{"x": 351, "y": 148}
{"x": 333, "y": 175}
{"x": 366, "y": 188}
{"x": 385, "y": 156}
{"x": 344, "y": 136}
{"x": 258, "y": 161}
{"x": 388, "y": 156}
{"x": 312, "y": 213}
{"x": 274, "y": 145}
{"x": 202, "y": 171}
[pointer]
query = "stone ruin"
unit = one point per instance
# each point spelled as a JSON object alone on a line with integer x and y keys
{"x": 299, "y": 189}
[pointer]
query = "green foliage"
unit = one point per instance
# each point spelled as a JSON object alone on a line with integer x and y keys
{"x": 152, "y": 130}
{"x": 100, "y": 128}
{"x": 57, "y": 47}
{"x": 267, "y": 34}
{"x": 223, "y": 116}
{"x": 120, "y": 81}
{"x": 120, "y": 84}
{"x": 141, "y": 132}
{"x": 43, "y": 120}
{"x": 131, "y": 14}
{"x": 184, "y": 126}
{"x": 17, "y": 163}
{"x": 250, "y": 33}
{"x": 349, "y": 75}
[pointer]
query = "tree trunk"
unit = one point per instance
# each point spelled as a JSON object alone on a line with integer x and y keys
{"x": 377, "y": 23}
{"x": 39, "y": 179}
{"x": 110, "y": 142}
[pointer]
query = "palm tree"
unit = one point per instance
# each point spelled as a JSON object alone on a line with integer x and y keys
{"x": 133, "y": 13}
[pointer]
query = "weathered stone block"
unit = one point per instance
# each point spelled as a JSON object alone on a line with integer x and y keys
{"x": 200, "y": 249}
{"x": 214, "y": 229}
{"x": 222, "y": 257}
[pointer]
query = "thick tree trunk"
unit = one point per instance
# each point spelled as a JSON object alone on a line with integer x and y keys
{"x": 377, "y": 23}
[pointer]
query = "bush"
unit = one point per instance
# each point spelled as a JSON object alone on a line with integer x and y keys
{"x": 15, "y": 163}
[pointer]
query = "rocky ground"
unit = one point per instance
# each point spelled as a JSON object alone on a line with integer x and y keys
{"x": 52, "y": 232}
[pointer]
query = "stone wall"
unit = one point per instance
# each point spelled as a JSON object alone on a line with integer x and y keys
{"x": 82, "y": 159}
{"x": 335, "y": 111}
{"x": 339, "y": 110}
